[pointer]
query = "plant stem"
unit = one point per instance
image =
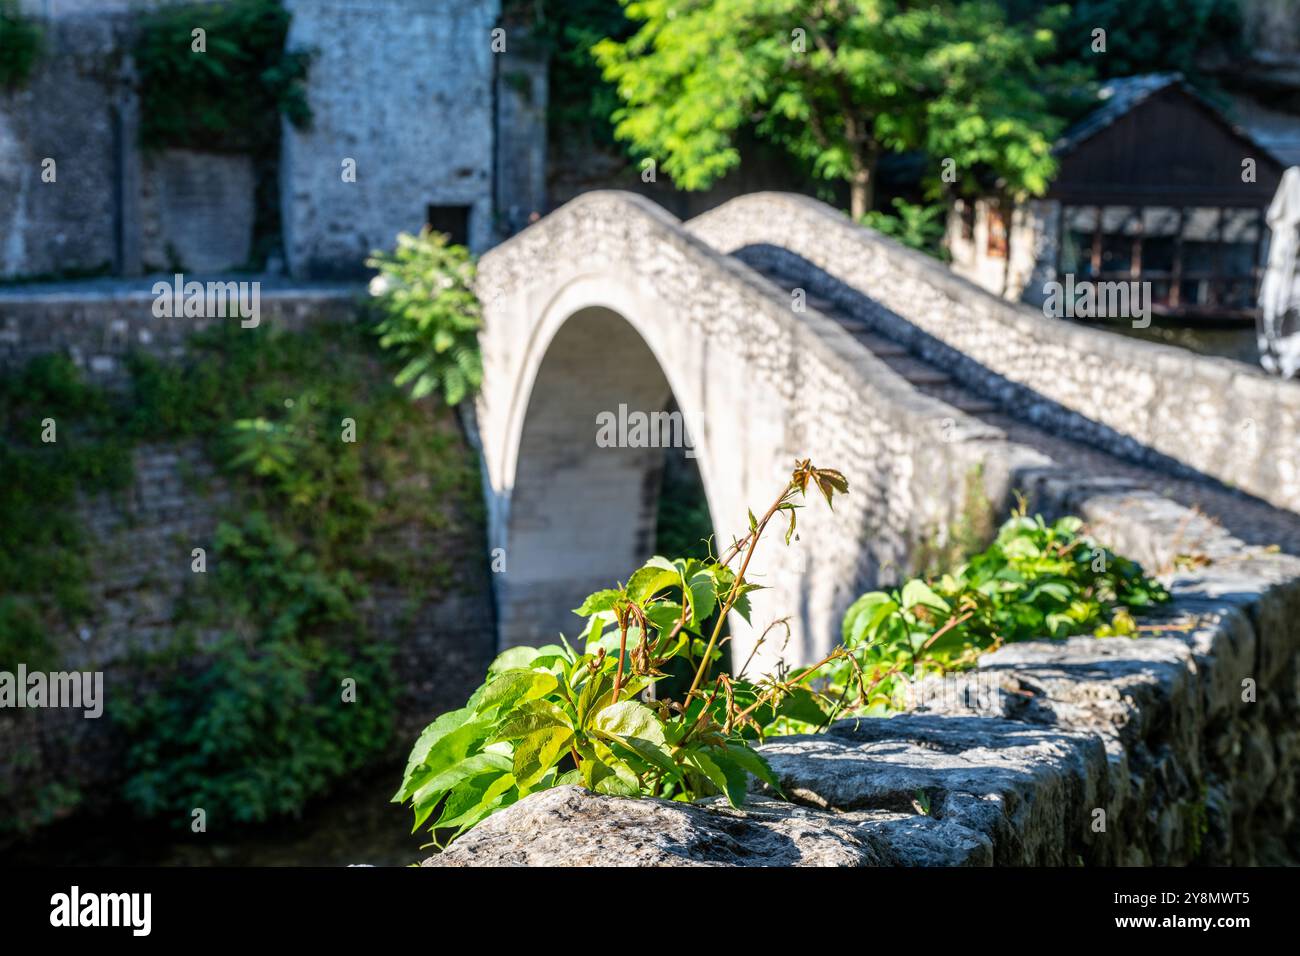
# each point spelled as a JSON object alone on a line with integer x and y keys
{"x": 622, "y": 652}
{"x": 734, "y": 593}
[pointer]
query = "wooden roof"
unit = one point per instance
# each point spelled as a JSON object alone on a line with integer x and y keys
{"x": 1156, "y": 141}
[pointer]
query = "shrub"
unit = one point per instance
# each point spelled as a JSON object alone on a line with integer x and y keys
{"x": 550, "y": 716}
{"x": 1036, "y": 580}
{"x": 429, "y": 315}
{"x": 916, "y": 226}
{"x": 20, "y": 45}
{"x": 229, "y": 98}
{"x": 239, "y": 711}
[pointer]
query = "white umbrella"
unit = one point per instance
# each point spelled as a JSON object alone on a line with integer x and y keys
{"x": 1279, "y": 294}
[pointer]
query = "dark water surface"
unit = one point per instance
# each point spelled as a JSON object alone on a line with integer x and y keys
{"x": 1236, "y": 341}
{"x": 355, "y": 825}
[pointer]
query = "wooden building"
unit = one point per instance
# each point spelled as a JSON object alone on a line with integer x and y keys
{"x": 1157, "y": 185}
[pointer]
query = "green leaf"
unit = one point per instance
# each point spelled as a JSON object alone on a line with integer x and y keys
{"x": 446, "y": 750}
{"x": 524, "y": 657}
{"x": 754, "y": 763}
{"x": 511, "y": 686}
{"x": 649, "y": 580}
{"x": 536, "y": 753}
{"x": 917, "y": 592}
{"x": 433, "y": 789}
{"x": 429, "y": 737}
{"x": 478, "y": 793}
{"x": 802, "y": 704}
{"x": 530, "y": 717}
{"x": 628, "y": 718}
{"x": 597, "y": 602}
{"x": 703, "y": 597}
{"x": 726, "y": 775}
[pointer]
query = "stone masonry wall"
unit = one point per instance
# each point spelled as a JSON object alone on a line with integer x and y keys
{"x": 403, "y": 88}
{"x": 1152, "y": 403}
{"x": 69, "y": 113}
{"x": 139, "y": 541}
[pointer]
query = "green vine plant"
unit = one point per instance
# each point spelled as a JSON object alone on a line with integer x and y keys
{"x": 20, "y": 45}
{"x": 1035, "y": 580}
{"x": 428, "y": 314}
{"x": 551, "y": 716}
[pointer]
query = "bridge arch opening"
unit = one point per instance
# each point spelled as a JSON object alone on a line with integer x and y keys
{"x": 602, "y": 440}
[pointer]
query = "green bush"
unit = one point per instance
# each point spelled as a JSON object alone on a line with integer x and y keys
{"x": 240, "y": 712}
{"x": 20, "y": 45}
{"x": 428, "y": 314}
{"x": 261, "y": 727}
{"x": 1034, "y": 581}
{"x": 42, "y": 568}
{"x": 551, "y": 716}
{"x": 231, "y": 97}
{"x": 916, "y": 226}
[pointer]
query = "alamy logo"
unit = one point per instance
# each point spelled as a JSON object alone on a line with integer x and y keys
{"x": 103, "y": 909}
{"x": 212, "y": 300}
{"x": 79, "y": 690}
{"x": 974, "y": 690}
{"x": 636, "y": 429}
{"x": 1098, "y": 300}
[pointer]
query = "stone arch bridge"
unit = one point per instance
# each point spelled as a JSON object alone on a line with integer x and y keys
{"x": 781, "y": 330}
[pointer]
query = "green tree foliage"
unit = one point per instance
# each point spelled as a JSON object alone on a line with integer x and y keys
{"x": 230, "y": 97}
{"x": 429, "y": 315}
{"x": 1144, "y": 36}
{"x": 20, "y": 45}
{"x": 837, "y": 84}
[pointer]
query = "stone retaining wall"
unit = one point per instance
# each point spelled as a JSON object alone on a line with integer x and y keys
{"x": 1153, "y": 403}
{"x": 100, "y": 323}
{"x": 139, "y": 541}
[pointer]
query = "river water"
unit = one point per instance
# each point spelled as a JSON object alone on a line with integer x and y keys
{"x": 356, "y": 825}
{"x": 1226, "y": 341}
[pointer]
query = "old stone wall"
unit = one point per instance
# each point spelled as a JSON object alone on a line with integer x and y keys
{"x": 404, "y": 90}
{"x": 1152, "y": 403}
{"x": 197, "y": 211}
{"x": 99, "y": 324}
{"x": 80, "y": 195}
{"x": 66, "y": 125}
{"x": 404, "y": 99}
{"x": 139, "y": 543}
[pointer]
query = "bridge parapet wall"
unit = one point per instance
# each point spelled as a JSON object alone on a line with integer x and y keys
{"x": 1153, "y": 403}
